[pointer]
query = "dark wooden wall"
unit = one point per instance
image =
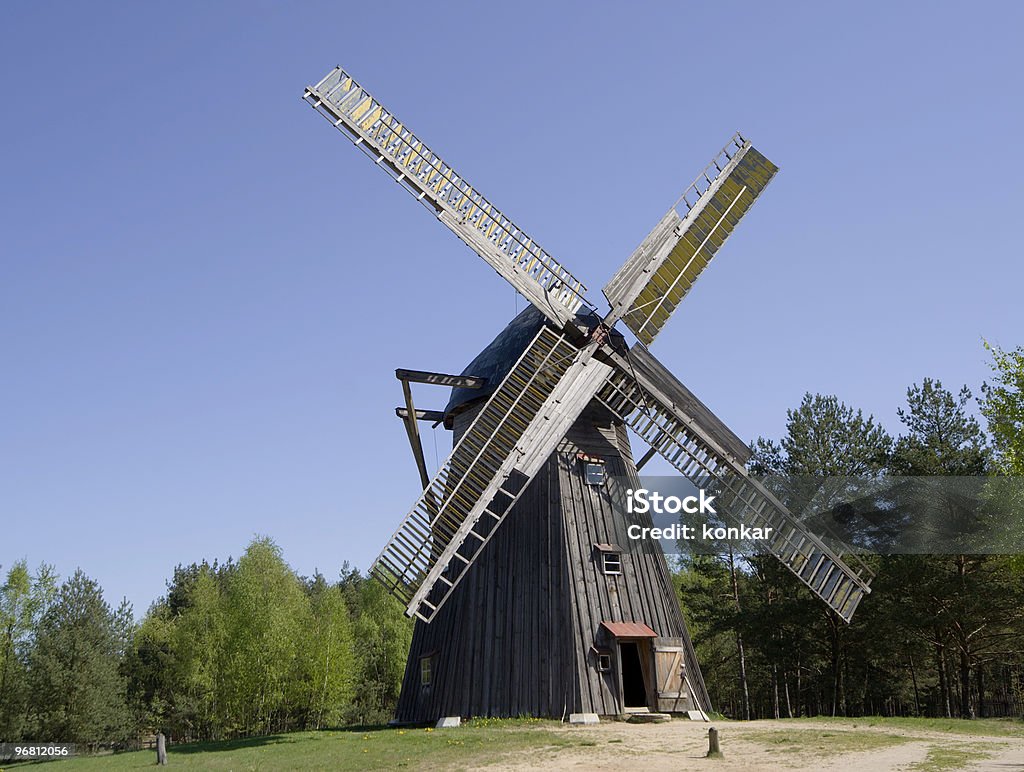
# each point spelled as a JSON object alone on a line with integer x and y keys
{"x": 517, "y": 636}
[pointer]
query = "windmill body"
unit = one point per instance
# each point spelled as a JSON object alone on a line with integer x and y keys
{"x": 514, "y": 563}
{"x": 537, "y": 627}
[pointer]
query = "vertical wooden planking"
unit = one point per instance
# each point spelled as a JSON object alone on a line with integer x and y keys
{"x": 516, "y": 636}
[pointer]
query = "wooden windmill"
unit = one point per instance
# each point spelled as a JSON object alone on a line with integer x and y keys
{"x": 513, "y": 561}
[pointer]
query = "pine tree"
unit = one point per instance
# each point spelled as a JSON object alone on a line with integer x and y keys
{"x": 942, "y": 438}
{"x": 77, "y": 690}
{"x": 966, "y": 596}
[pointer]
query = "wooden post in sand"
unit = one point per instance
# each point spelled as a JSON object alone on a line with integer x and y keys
{"x": 714, "y": 752}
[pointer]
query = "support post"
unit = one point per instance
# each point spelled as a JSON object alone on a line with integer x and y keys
{"x": 646, "y": 457}
{"x": 714, "y": 751}
{"x": 414, "y": 435}
{"x": 161, "y": 749}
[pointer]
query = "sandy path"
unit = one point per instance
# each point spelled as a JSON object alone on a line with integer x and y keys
{"x": 1009, "y": 760}
{"x": 756, "y": 745}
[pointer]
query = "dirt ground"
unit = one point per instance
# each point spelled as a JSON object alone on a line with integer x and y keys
{"x": 774, "y": 745}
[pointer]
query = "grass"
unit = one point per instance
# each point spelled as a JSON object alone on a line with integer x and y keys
{"x": 481, "y": 742}
{"x": 986, "y": 727}
{"x": 941, "y": 758}
{"x": 476, "y": 744}
{"x": 821, "y": 742}
{"x": 948, "y": 758}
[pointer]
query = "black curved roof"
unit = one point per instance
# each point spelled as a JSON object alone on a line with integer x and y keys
{"x": 495, "y": 361}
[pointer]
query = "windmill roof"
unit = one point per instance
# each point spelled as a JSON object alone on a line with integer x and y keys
{"x": 501, "y": 354}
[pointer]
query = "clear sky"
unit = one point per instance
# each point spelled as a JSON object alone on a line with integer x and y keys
{"x": 205, "y": 289}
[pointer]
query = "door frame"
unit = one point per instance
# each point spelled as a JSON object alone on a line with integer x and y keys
{"x": 647, "y": 672}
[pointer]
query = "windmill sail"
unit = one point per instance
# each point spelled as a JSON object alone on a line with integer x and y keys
{"x": 655, "y": 376}
{"x": 657, "y": 276}
{"x": 490, "y": 467}
{"x": 475, "y": 220}
{"x": 687, "y": 443}
{"x": 554, "y": 380}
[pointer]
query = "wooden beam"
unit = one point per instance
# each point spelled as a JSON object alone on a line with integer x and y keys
{"x": 413, "y": 431}
{"x": 434, "y": 416}
{"x": 646, "y": 457}
{"x": 440, "y": 379}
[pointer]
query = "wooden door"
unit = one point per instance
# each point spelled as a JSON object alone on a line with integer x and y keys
{"x": 672, "y": 689}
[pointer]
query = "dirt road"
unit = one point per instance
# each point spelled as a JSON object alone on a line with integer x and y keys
{"x": 822, "y": 746}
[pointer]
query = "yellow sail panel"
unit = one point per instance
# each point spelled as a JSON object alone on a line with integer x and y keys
{"x": 423, "y": 173}
{"x": 367, "y": 122}
{"x": 362, "y": 107}
{"x": 698, "y": 238}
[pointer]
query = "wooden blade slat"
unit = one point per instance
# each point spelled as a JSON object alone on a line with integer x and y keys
{"x": 662, "y": 270}
{"x": 476, "y": 221}
{"x": 514, "y": 433}
{"x": 841, "y": 580}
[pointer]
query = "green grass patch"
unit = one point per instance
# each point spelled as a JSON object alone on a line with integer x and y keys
{"x": 821, "y": 742}
{"x": 479, "y": 743}
{"x": 942, "y": 759}
{"x": 987, "y": 727}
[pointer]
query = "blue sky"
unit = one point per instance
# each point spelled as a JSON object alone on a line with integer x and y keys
{"x": 205, "y": 289}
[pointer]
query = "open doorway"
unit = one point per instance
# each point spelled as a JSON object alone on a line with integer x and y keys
{"x": 634, "y": 687}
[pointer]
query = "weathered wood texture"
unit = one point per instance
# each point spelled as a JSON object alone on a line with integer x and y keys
{"x": 434, "y": 416}
{"x": 520, "y": 634}
{"x": 714, "y": 749}
{"x": 654, "y": 375}
{"x": 439, "y": 379}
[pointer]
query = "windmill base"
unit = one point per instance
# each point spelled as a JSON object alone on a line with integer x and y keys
{"x": 562, "y": 614}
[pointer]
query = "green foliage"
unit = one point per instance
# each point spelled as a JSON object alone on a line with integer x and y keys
{"x": 942, "y": 438}
{"x": 78, "y": 691}
{"x": 329, "y": 672}
{"x": 233, "y": 649}
{"x": 825, "y": 437}
{"x": 24, "y": 598}
{"x": 250, "y": 648}
{"x": 264, "y": 612}
{"x": 384, "y": 634}
{"x": 939, "y": 635}
{"x": 1003, "y": 407}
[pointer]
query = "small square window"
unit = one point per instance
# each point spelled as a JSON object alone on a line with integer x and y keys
{"x": 426, "y": 670}
{"x": 604, "y": 662}
{"x": 593, "y": 469}
{"x": 611, "y": 563}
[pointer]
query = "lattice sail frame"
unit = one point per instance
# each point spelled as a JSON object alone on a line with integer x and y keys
{"x": 473, "y": 218}
{"x": 839, "y": 580}
{"x": 493, "y": 463}
{"x": 663, "y": 269}
{"x": 488, "y": 470}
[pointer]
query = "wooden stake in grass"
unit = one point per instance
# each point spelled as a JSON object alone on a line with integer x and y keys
{"x": 161, "y": 750}
{"x": 714, "y": 752}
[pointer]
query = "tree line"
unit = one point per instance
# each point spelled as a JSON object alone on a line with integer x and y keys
{"x": 250, "y": 647}
{"x": 233, "y": 649}
{"x": 940, "y": 635}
